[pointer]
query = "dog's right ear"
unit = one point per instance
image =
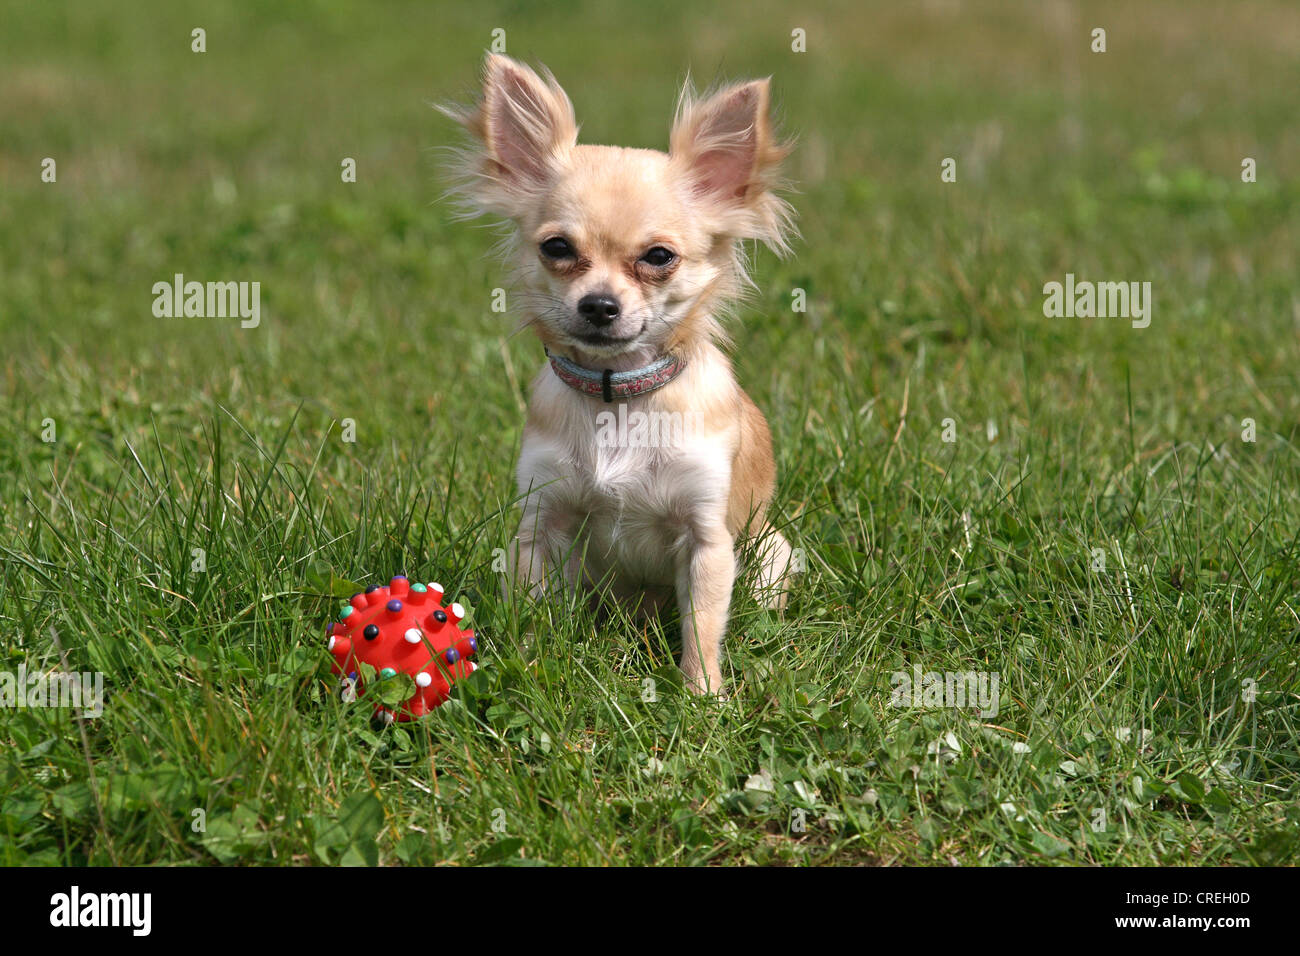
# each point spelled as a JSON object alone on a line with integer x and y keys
{"x": 724, "y": 145}
{"x": 522, "y": 127}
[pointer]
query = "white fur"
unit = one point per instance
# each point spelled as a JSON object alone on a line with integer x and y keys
{"x": 633, "y": 513}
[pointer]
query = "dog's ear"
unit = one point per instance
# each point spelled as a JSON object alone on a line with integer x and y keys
{"x": 725, "y": 146}
{"x": 522, "y": 126}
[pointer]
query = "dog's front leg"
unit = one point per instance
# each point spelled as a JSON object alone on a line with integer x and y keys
{"x": 543, "y": 561}
{"x": 705, "y": 576}
{"x": 543, "y": 542}
{"x": 528, "y": 561}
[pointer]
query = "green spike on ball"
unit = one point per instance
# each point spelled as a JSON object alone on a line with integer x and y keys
{"x": 419, "y": 588}
{"x": 347, "y": 609}
{"x": 387, "y": 672}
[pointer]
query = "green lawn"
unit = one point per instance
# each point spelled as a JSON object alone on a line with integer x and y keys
{"x": 1148, "y": 710}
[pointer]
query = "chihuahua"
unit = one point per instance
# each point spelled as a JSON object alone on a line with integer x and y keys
{"x": 627, "y": 259}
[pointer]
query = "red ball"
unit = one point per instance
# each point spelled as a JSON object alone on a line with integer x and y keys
{"x": 403, "y": 628}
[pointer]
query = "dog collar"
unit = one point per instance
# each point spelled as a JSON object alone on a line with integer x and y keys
{"x": 609, "y": 384}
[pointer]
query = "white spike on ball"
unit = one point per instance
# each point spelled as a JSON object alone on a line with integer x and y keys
{"x": 413, "y": 636}
{"x": 424, "y": 680}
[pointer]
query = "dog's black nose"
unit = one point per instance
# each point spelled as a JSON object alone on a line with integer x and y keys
{"x": 598, "y": 309}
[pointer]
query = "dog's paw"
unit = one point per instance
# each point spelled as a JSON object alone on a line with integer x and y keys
{"x": 702, "y": 685}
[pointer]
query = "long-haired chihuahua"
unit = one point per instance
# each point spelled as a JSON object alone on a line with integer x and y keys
{"x": 644, "y": 466}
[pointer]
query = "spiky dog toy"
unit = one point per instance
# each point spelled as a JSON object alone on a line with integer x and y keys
{"x": 402, "y": 628}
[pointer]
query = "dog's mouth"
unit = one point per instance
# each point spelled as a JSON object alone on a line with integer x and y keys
{"x": 603, "y": 340}
{"x": 600, "y": 338}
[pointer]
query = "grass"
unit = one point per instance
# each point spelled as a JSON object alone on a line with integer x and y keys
{"x": 1148, "y": 709}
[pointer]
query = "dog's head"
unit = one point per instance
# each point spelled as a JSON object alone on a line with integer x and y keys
{"x": 623, "y": 251}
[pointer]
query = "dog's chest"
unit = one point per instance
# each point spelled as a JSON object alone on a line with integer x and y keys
{"x": 636, "y": 509}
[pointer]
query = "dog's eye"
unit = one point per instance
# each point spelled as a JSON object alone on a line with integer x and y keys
{"x": 557, "y": 247}
{"x": 659, "y": 257}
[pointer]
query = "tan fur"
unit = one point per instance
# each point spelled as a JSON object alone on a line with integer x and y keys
{"x": 630, "y": 520}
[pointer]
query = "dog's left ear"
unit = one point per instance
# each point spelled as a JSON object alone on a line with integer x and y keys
{"x": 725, "y": 147}
{"x": 522, "y": 128}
